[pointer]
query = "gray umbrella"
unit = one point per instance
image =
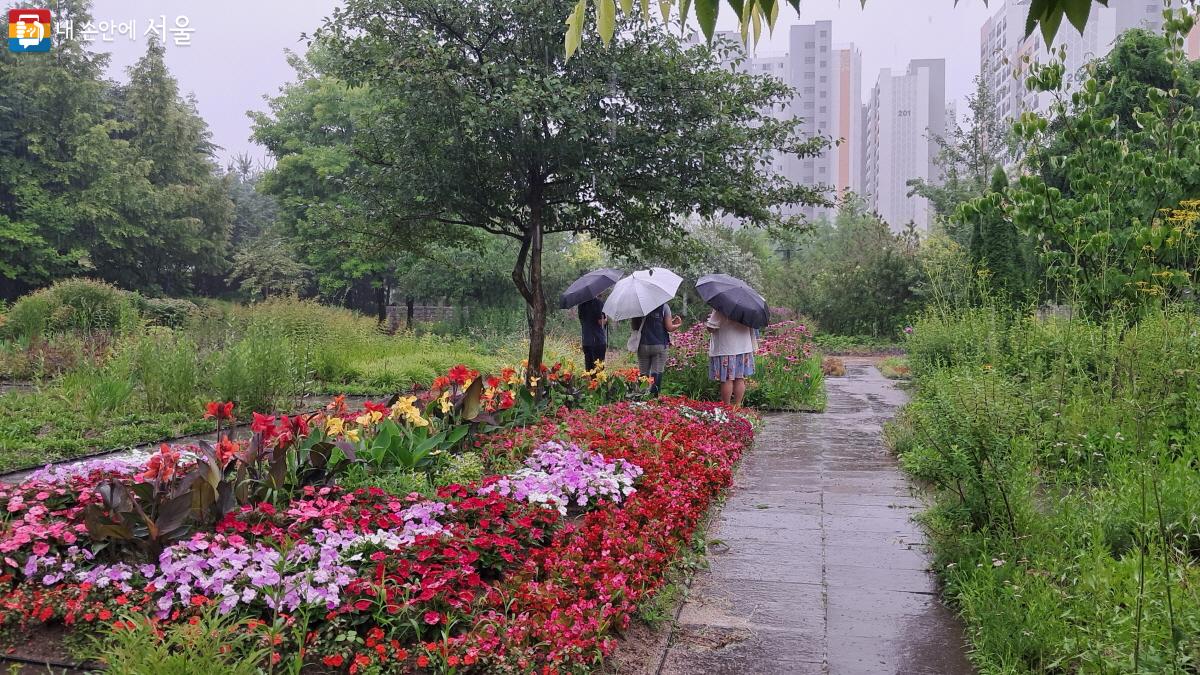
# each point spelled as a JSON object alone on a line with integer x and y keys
{"x": 735, "y": 299}
{"x": 589, "y": 286}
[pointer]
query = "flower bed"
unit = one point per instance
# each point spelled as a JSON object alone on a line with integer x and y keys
{"x": 540, "y": 564}
{"x": 788, "y": 373}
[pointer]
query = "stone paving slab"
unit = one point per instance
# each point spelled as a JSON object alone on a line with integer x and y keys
{"x": 816, "y": 565}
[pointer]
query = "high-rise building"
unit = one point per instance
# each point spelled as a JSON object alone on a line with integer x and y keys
{"x": 1005, "y": 52}
{"x": 848, "y": 122}
{"x": 827, "y": 82}
{"x": 905, "y": 114}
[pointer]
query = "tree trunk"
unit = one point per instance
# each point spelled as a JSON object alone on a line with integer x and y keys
{"x": 537, "y": 300}
{"x": 527, "y": 275}
{"x": 381, "y": 303}
{"x": 409, "y": 301}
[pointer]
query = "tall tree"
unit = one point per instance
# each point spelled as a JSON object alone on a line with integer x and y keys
{"x": 1099, "y": 216}
{"x": 60, "y": 168}
{"x": 997, "y": 246}
{"x": 967, "y": 158}
{"x": 103, "y": 180}
{"x": 482, "y": 123}
{"x": 185, "y": 229}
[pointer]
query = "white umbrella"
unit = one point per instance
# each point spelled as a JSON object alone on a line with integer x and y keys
{"x": 641, "y": 292}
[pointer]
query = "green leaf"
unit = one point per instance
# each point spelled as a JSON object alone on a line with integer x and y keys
{"x": 1050, "y": 24}
{"x": 1037, "y": 10}
{"x": 768, "y": 8}
{"x": 1077, "y": 12}
{"x": 456, "y": 434}
{"x": 627, "y": 6}
{"x": 706, "y": 14}
{"x": 574, "y": 36}
{"x": 606, "y": 19}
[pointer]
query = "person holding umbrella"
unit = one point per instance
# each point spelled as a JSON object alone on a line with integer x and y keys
{"x": 655, "y": 329}
{"x": 738, "y": 310}
{"x": 593, "y": 324}
{"x": 642, "y": 296}
{"x": 731, "y": 348}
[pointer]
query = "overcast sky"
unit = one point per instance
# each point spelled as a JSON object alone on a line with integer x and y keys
{"x": 237, "y": 52}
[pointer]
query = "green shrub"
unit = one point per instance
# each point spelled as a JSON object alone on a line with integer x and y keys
{"x": 970, "y": 337}
{"x": 462, "y": 469}
{"x": 169, "y": 312}
{"x": 214, "y": 644}
{"x": 400, "y": 483}
{"x": 72, "y": 305}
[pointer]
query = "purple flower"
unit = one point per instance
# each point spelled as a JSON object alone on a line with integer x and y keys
{"x": 557, "y": 475}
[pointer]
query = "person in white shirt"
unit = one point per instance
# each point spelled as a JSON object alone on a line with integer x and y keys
{"x": 731, "y": 349}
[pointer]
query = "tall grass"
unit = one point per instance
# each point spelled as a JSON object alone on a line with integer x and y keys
{"x": 262, "y": 371}
{"x": 167, "y": 367}
{"x": 1063, "y": 453}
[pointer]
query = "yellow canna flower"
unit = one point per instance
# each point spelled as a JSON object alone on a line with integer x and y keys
{"x": 352, "y": 435}
{"x": 445, "y": 402}
{"x": 363, "y": 420}
{"x": 334, "y": 426}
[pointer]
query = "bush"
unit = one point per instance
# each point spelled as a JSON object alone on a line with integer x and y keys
{"x": 169, "y": 312}
{"x": 1086, "y": 432}
{"x": 396, "y": 482}
{"x": 972, "y": 337}
{"x": 462, "y": 469}
{"x": 72, "y": 305}
{"x": 213, "y": 644}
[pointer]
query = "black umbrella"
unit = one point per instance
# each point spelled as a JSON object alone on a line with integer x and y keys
{"x": 589, "y": 286}
{"x": 735, "y": 299}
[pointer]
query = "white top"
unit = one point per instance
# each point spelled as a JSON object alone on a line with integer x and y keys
{"x": 730, "y": 337}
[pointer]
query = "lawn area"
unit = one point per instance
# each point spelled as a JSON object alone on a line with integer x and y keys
{"x": 118, "y": 378}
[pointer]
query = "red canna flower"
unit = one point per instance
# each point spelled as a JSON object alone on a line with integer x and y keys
{"x": 507, "y": 400}
{"x": 263, "y": 424}
{"x": 226, "y": 449}
{"x": 214, "y": 410}
{"x": 461, "y": 374}
{"x": 161, "y": 467}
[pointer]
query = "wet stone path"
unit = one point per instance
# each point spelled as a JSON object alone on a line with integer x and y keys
{"x": 814, "y": 563}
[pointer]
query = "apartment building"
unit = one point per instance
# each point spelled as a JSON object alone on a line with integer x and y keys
{"x": 905, "y": 114}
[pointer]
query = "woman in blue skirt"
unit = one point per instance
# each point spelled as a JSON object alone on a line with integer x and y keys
{"x": 731, "y": 349}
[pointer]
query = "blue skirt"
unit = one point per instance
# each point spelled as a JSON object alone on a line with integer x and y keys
{"x": 724, "y": 368}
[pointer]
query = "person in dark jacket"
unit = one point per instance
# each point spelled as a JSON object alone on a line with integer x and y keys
{"x": 594, "y": 327}
{"x": 655, "y": 330}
